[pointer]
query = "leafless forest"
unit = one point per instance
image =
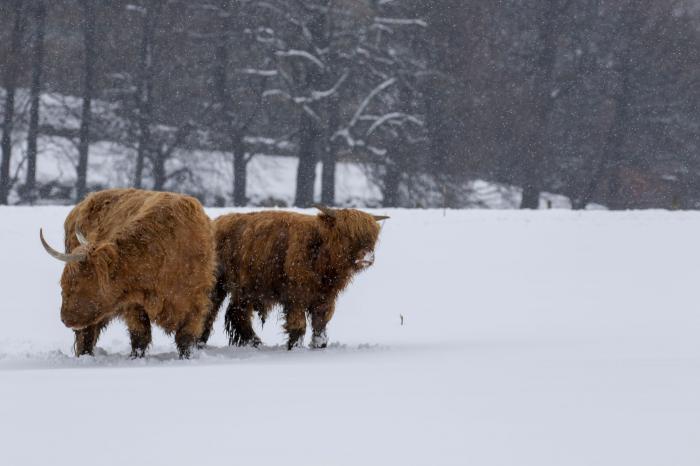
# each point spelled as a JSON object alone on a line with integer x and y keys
{"x": 596, "y": 100}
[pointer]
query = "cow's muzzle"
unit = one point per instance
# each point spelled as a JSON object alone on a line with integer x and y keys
{"x": 365, "y": 261}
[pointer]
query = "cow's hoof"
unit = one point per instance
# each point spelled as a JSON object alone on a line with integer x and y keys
{"x": 319, "y": 340}
{"x": 184, "y": 353}
{"x": 295, "y": 343}
{"x": 295, "y": 339}
{"x": 240, "y": 340}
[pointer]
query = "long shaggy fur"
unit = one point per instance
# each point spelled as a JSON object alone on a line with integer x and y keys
{"x": 300, "y": 262}
{"x": 150, "y": 259}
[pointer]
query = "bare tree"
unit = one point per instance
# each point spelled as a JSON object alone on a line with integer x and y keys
{"x": 550, "y": 24}
{"x": 39, "y": 19}
{"x": 311, "y": 38}
{"x": 10, "y": 83}
{"x": 151, "y": 11}
{"x": 90, "y": 52}
{"x": 164, "y": 149}
{"x": 332, "y": 55}
{"x": 387, "y": 121}
{"x": 238, "y": 92}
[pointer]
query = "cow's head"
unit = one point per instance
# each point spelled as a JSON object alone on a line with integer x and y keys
{"x": 86, "y": 285}
{"x": 355, "y": 230}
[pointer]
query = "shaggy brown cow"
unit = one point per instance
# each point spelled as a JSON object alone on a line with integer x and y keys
{"x": 140, "y": 255}
{"x": 298, "y": 261}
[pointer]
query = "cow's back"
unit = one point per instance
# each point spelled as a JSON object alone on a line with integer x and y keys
{"x": 115, "y": 214}
{"x": 254, "y": 249}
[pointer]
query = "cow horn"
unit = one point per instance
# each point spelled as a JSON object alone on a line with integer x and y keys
{"x": 81, "y": 238}
{"x": 59, "y": 255}
{"x": 326, "y": 210}
{"x": 380, "y": 217}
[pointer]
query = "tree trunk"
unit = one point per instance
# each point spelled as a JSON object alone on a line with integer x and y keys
{"x": 330, "y": 154}
{"x": 328, "y": 178}
{"x": 392, "y": 181}
{"x": 159, "y": 178}
{"x": 240, "y": 174}
{"x": 88, "y": 83}
{"x": 228, "y": 118}
{"x": 543, "y": 104}
{"x": 145, "y": 88}
{"x": 579, "y": 204}
{"x": 30, "y": 194}
{"x": 611, "y": 154}
{"x": 310, "y": 130}
{"x": 306, "y": 172}
{"x": 12, "y": 68}
{"x": 396, "y": 164}
{"x": 532, "y": 174}
{"x": 616, "y": 141}
{"x": 613, "y": 166}
{"x": 531, "y": 197}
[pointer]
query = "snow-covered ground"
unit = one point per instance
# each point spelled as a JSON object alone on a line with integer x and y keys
{"x": 529, "y": 338}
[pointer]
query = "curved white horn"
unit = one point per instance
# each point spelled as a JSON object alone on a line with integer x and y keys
{"x": 59, "y": 255}
{"x": 81, "y": 238}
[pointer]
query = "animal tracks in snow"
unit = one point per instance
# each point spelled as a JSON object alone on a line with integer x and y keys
{"x": 25, "y": 358}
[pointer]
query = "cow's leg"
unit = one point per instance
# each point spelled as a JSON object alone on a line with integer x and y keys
{"x": 192, "y": 325}
{"x": 86, "y": 339}
{"x": 239, "y": 322}
{"x": 139, "y": 326}
{"x": 320, "y": 316}
{"x": 295, "y": 325}
{"x": 189, "y": 332}
{"x": 218, "y": 295}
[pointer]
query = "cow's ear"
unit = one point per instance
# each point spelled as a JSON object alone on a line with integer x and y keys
{"x": 104, "y": 258}
{"x": 327, "y": 214}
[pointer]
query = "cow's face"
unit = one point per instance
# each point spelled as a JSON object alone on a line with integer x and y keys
{"x": 87, "y": 288}
{"x": 86, "y": 291}
{"x": 358, "y": 232}
{"x": 362, "y": 246}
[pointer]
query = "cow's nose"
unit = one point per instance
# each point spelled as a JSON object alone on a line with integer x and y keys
{"x": 67, "y": 322}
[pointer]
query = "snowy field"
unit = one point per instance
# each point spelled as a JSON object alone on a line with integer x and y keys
{"x": 529, "y": 339}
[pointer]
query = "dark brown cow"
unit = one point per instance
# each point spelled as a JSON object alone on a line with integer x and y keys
{"x": 298, "y": 261}
{"x": 147, "y": 257}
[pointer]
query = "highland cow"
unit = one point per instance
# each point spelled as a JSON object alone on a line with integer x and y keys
{"x": 300, "y": 262}
{"x": 146, "y": 257}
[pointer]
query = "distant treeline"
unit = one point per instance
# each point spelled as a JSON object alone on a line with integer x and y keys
{"x": 593, "y": 99}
